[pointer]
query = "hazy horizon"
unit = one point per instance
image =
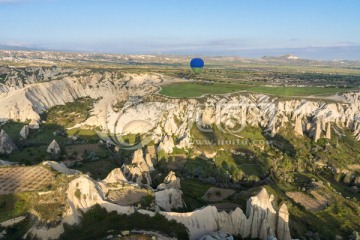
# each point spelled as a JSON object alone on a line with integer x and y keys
{"x": 323, "y": 30}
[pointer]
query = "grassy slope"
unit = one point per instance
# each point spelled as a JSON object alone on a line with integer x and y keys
{"x": 71, "y": 113}
{"x": 300, "y": 164}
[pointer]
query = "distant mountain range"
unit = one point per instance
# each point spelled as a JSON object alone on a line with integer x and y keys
{"x": 52, "y": 57}
{"x": 351, "y": 52}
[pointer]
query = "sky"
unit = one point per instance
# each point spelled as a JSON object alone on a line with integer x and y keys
{"x": 319, "y": 29}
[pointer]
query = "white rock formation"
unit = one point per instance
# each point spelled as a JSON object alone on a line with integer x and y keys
{"x": 209, "y": 155}
{"x": 166, "y": 144}
{"x": 149, "y": 162}
{"x": 6, "y": 144}
{"x": 53, "y": 147}
{"x": 34, "y": 124}
{"x": 60, "y": 167}
{"x": 82, "y": 194}
{"x": 260, "y": 220}
{"x": 199, "y": 222}
{"x": 169, "y": 195}
{"x": 169, "y": 199}
{"x": 170, "y": 181}
{"x": 115, "y": 176}
{"x": 208, "y": 117}
{"x": 24, "y": 133}
{"x": 298, "y": 127}
{"x": 282, "y": 230}
{"x": 139, "y": 170}
{"x": 318, "y": 131}
{"x": 255, "y": 110}
{"x": 88, "y": 194}
{"x": 11, "y": 222}
{"x": 25, "y": 100}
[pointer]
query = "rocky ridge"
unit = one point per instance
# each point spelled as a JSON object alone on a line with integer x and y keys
{"x": 167, "y": 122}
{"x": 6, "y": 144}
{"x": 169, "y": 195}
{"x": 261, "y": 219}
{"x": 139, "y": 169}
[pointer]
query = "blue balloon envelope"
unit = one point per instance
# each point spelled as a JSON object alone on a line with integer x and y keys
{"x": 197, "y": 65}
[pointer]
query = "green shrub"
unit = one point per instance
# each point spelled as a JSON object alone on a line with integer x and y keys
{"x": 78, "y": 193}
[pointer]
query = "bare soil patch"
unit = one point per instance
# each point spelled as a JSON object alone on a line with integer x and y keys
{"x": 81, "y": 148}
{"x": 315, "y": 203}
{"x": 24, "y": 179}
{"x": 126, "y": 196}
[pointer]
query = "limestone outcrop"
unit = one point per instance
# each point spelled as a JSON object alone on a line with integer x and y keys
{"x": 166, "y": 144}
{"x": 53, "y": 147}
{"x": 29, "y": 92}
{"x": 115, "y": 176}
{"x": 170, "y": 181}
{"x": 169, "y": 199}
{"x": 169, "y": 195}
{"x": 233, "y": 113}
{"x": 261, "y": 220}
{"x": 139, "y": 169}
{"x": 60, "y": 167}
{"x": 318, "y": 131}
{"x": 282, "y": 230}
{"x": 82, "y": 194}
{"x": 169, "y": 121}
{"x": 298, "y": 127}
{"x": 6, "y": 144}
{"x": 24, "y": 132}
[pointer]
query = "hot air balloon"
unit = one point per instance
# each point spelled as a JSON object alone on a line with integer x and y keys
{"x": 197, "y": 64}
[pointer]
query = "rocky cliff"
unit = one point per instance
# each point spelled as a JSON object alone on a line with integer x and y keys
{"x": 167, "y": 121}
{"x": 6, "y": 144}
{"x": 139, "y": 169}
{"x": 260, "y": 221}
{"x": 28, "y": 92}
{"x": 169, "y": 195}
{"x": 231, "y": 114}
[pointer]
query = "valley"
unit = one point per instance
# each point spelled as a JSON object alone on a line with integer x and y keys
{"x": 254, "y": 148}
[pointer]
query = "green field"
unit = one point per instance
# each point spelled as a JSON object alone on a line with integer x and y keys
{"x": 298, "y": 91}
{"x": 188, "y": 90}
